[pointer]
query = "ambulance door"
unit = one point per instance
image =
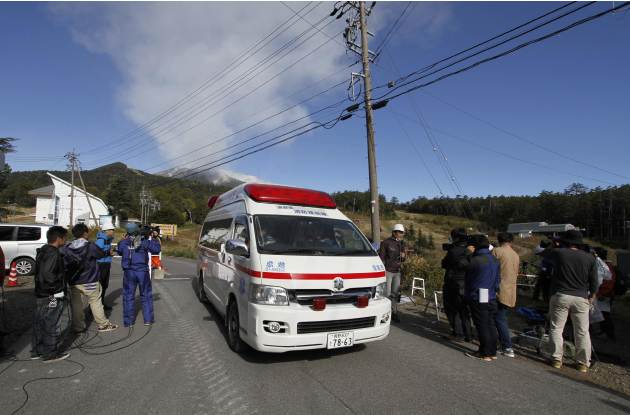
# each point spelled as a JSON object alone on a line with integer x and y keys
{"x": 241, "y": 263}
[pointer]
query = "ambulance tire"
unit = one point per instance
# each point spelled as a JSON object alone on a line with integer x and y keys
{"x": 234, "y": 328}
{"x": 201, "y": 294}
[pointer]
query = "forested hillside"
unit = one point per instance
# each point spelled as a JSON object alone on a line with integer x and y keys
{"x": 120, "y": 187}
{"x": 601, "y": 212}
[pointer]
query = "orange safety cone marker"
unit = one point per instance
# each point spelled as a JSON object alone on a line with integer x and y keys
{"x": 156, "y": 263}
{"x": 13, "y": 276}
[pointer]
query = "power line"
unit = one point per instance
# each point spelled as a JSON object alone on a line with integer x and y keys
{"x": 524, "y": 139}
{"x": 290, "y": 137}
{"x": 221, "y": 93}
{"x": 397, "y": 23}
{"x": 218, "y": 140}
{"x": 437, "y": 149}
{"x": 419, "y": 154}
{"x": 207, "y": 82}
{"x": 181, "y": 121}
{"x": 582, "y": 21}
{"x": 297, "y": 13}
{"x": 477, "y": 143}
{"x": 527, "y": 23}
{"x": 398, "y": 86}
{"x": 502, "y": 54}
{"x": 265, "y": 133}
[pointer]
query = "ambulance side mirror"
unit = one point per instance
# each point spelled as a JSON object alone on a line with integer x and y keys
{"x": 237, "y": 247}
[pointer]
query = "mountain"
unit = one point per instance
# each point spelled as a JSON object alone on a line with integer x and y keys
{"x": 120, "y": 187}
{"x": 215, "y": 177}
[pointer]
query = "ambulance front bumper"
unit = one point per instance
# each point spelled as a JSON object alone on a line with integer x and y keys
{"x": 298, "y": 322}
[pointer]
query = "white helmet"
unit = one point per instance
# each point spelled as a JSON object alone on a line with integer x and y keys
{"x": 107, "y": 226}
{"x": 398, "y": 228}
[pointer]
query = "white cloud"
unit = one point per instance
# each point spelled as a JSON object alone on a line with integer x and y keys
{"x": 165, "y": 50}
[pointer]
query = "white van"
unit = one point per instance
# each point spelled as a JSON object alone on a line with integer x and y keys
{"x": 289, "y": 271}
{"x": 20, "y": 242}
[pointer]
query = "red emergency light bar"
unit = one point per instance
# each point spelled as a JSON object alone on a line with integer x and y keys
{"x": 268, "y": 193}
{"x": 212, "y": 201}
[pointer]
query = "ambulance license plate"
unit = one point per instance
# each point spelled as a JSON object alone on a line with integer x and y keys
{"x": 341, "y": 339}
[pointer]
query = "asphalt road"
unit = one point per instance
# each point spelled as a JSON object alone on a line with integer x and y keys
{"x": 182, "y": 365}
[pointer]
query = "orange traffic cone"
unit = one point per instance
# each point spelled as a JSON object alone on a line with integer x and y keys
{"x": 156, "y": 263}
{"x": 12, "y": 276}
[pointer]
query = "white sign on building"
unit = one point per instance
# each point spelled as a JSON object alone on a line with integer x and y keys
{"x": 53, "y": 204}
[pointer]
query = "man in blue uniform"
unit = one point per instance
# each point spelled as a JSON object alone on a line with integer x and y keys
{"x": 104, "y": 241}
{"x": 135, "y": 251}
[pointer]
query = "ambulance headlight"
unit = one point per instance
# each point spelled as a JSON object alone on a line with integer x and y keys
{"x": 380, "y": 291}
{"x": 265, "y": 294}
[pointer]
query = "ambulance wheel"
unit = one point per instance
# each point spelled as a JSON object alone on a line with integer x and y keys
{"x": 201, "y": 294}
{"x": 234, "y": 328}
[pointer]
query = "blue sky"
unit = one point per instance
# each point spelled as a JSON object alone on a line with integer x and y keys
{"x": 82, "y": 75}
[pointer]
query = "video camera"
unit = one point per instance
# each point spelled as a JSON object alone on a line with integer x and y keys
{"x": 147, "y": 231}
{"x": 469, "y": 239}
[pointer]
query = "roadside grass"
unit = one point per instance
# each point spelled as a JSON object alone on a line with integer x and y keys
{"x": 18, "y": 214}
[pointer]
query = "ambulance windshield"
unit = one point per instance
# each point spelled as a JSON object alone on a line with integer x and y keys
{"x": 302, "y": 235}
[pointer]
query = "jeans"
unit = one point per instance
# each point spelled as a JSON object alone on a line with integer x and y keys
{"x": 47, "y": 327}
{"x": 483, "y": 317}
{"x": 141, "y": 280}
{"x": 560, "y": 307}
{"x": 92, "y": 292}
{"x": 500, "y": 320}
{"x": 393, "y": 289}
{"x": 104, "y": 269}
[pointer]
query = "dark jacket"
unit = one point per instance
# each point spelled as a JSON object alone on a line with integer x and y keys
{"x": 482, "y": 271}
{"x": 80, "y": 258}
{"x": 455, "y": 265}
{"x": 135, "y": 255}
{"x": 574, "y": 272}
{"x": 49, "y": 271}
{"x": 105, "y": 243}
{"x": 390, "y": 252}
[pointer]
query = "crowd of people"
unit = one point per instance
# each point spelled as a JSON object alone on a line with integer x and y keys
{"x": 480, "y": 285}
{"x": 71, "y": 274}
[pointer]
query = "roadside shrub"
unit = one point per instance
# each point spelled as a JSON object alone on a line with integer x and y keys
{"x": 421, "y": 267}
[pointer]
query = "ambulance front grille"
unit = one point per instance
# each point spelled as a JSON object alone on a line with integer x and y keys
{"x": 349, "y": 296}
{"x": 307, "y": 327}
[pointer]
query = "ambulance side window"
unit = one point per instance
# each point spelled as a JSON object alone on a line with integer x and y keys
{"x": 215, "y": 233}
{"x": 241, "y": 229}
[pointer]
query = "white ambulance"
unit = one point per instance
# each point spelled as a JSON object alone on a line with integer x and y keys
{"x": 289, "y": 271}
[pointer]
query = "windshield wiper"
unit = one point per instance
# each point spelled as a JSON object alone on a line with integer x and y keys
{"x": 352, "y": 253}
{"x": 300, "y": 251}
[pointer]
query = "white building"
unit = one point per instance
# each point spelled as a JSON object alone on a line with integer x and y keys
{"x": 53, "y": 204}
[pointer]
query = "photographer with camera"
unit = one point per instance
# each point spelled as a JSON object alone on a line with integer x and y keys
{"x": 136, "y": 250}
{"x": 453, "y": 289}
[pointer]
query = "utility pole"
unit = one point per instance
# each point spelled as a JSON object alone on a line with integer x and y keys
{"x": 72, "y": 158}
{"x": 367, "y": 92}
{"x": 87, "y": 196}
{"x": 359, "y": 22}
